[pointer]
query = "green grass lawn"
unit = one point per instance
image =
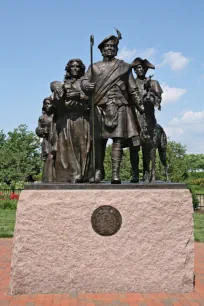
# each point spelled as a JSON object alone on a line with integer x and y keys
{"x": 7, "y": 222}
{"x": 199, "y": 227}
{"x": 8, "y": 217}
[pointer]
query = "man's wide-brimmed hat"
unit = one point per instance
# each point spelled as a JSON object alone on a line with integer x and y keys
{"x": 144, "y": 62}
{"x": 111, "y": 37}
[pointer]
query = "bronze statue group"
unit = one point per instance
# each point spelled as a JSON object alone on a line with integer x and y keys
{"x": 122, "y": 109}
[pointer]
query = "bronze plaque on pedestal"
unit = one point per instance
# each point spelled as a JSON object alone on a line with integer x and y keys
{"x": 106, "y": 220}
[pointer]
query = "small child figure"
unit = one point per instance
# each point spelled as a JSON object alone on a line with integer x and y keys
{"x": 46, "y": 130}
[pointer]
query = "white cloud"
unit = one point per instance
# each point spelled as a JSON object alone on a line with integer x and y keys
{"x": 173, "y": 131}
{"x": 130, "y": 54}
{"x": 148, "y": 53}
{"x": 127, "y": 54}
{"x": 189, "y": 130}
{"x": 189, "y": 117}
{"x": 175, "y": 60}
{"x": 171, "y": 94}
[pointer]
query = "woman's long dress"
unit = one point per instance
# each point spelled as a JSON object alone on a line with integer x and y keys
{"x": 73, "y": 159}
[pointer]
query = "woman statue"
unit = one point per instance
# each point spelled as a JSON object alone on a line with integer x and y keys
{"x": 73, "y": 159}
{"x": 45, "y": 130}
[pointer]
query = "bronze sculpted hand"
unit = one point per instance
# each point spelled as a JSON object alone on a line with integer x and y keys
{"x": 83, "y": 97}
{"x": 90, "y": 87}
{"x": 72, "y": 95}
{"x": 59, "y": 93}
{"x": 70, "y": 104}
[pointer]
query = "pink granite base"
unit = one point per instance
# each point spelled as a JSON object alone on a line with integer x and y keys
{"x": 56, "y": 250}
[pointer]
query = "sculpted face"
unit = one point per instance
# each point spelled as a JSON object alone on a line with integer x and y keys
{"x": 75, "y": 69}
{"x": 140, "y": 70}
{"x": 47, "y": 106}
{"x": 110, "y": 49}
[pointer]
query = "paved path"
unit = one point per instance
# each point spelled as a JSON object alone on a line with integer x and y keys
{"x": 109, "y": 299}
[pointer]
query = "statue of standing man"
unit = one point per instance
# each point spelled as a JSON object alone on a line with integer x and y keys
{"x": 147, "y": 121}
{"x": 114, "y": 93}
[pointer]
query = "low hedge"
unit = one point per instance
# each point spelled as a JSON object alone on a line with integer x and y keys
{"x": 8, "y": 201}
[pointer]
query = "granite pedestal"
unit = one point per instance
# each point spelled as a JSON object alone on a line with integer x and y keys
{"x": 56, "y": 249}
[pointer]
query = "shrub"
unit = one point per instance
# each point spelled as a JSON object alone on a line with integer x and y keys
{"x": 2, "y": 196}
{"x": 38, "y": 177}
{"x": 13, "y": 185}
{"x": 195, "y": 201}
{"x": 194, "y": 197}
{"x": 8, "y": 201}
{"x": 198, "y": 181}
{"x": 8, "y": 204}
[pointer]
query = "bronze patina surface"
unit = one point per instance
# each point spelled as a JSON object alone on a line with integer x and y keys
{"x": 106, "y": 220}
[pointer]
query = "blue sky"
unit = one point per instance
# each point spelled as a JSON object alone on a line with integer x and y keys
{"x": 39, "y": 37}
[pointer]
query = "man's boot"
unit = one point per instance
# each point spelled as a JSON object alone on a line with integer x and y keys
{"x": 117, "y": 153}
{"x": 134, "y": 160}
{"x": 99, "y": 160}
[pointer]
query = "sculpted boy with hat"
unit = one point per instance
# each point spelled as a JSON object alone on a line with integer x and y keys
{"x": 140, "y": 67}
{"x": 146, "y": 86}
{"x": 114, "y": 90}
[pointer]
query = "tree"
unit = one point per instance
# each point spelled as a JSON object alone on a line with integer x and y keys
{"x": 176, "y": 160}
{"x": 108, "y": 164}
{"x": 20, "y": 156}
{"x": 2, "y": 138}
{"x": 20, "y": 159}
{"x": 195, "y": 162}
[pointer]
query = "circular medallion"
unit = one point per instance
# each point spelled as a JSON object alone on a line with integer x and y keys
{"x": 106, "y": 220}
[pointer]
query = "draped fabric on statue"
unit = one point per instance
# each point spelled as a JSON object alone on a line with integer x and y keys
{"x": 115, "y": 91}
{"x": 73, "y": 160}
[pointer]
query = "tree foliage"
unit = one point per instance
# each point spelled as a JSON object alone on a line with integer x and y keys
{"x": 176, "y": 160}
{"x": 20, "y": 160}
{"x": 195, "y": 162}
{"x": 20, "y": 156}
{"x": 180, "y": 164}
